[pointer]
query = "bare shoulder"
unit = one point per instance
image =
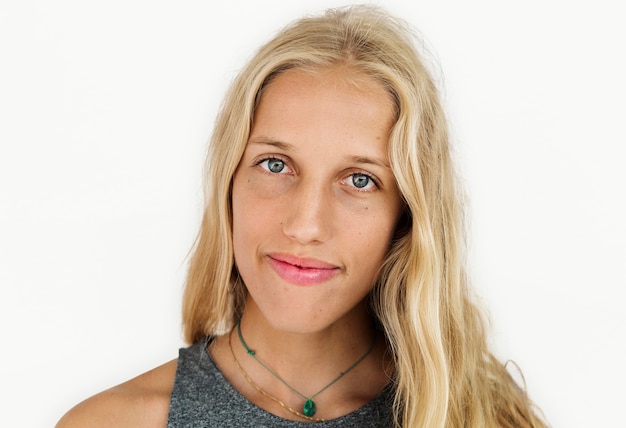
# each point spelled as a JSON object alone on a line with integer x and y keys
{"x": 140, "y": 402}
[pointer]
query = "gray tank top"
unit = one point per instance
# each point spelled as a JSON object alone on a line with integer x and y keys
{"x": 202, "y": 397}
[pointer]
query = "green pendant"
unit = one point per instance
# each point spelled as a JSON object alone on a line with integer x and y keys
{"x": 309, "y": 408}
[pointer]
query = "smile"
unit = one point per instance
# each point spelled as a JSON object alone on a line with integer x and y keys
{"x": 299, "y": 271}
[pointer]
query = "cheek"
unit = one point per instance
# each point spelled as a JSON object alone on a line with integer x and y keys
{"x": 381, "y": 232}
{"x": 369, "y": 239}
{"x": 241, "y": 220}
{"x": 254, "y": 209}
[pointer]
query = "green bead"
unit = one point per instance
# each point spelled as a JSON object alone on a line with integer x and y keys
{"x": 309, "y": 408}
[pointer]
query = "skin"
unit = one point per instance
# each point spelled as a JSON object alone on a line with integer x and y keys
{"x": 322, "y": 133}
{"x": 313, "y": 188}
{"x": 141, "y": 402}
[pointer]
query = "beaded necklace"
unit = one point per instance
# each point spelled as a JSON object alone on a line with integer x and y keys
{"x": 309, "y": 407}
{"x": 267, "y": 394}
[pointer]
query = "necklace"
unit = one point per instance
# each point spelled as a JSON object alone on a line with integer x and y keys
{"x": 267, "y": 394}
{"x": 309, "y": 408}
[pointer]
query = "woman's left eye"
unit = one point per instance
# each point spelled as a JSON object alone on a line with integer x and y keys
{"x": 361, "y": 181}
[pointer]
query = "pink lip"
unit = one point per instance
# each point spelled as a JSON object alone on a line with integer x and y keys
{"x": 301, "y": 271}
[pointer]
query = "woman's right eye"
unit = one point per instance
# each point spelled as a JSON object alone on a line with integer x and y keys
{"x": 274, "y": 165}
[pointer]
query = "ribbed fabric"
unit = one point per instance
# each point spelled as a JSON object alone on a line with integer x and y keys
{"x": 202, "y": 397}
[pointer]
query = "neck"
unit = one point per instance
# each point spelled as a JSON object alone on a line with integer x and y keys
{"x": 341, "y": 341}
{"x": 308, "y": 359}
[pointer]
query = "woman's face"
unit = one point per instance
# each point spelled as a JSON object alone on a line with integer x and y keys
{"x": 315, "y": 203}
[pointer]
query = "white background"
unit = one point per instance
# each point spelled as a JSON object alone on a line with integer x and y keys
{"x": 105, "y": 110}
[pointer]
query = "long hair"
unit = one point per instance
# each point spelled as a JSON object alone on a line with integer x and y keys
{"x": 445, "y": 375}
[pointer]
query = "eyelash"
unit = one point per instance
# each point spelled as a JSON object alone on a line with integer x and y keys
{"x": 358, "y": 189}
{"x": 364, "y": 174}
{"x": 272, "y": 158}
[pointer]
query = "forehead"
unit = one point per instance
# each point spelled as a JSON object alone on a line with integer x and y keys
{"x": 311, "y": 91}
{"x": 330, "y": 112}
{"x": 339, "y": 77}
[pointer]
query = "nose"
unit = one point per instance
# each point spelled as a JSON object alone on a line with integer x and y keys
{"x": 309, "y": 216}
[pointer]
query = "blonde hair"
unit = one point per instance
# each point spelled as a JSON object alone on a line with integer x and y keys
{"x": 444, "y": 373}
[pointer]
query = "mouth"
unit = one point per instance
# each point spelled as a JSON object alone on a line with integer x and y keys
{"x": 302, "y": 271}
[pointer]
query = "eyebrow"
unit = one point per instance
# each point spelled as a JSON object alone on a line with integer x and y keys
{"x": 269, "y": 142}
{"x": 370, "y": 161}
{"x": 288, "y": 147}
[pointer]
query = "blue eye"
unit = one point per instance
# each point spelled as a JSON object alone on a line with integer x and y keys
{"x": 273, "y": 165}
{"x": 362, "y": 181}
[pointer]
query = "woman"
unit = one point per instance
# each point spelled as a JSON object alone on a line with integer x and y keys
{"x": 327, "y": 283}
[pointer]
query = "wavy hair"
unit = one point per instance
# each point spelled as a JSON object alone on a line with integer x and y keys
{"x": 444, "y": 373}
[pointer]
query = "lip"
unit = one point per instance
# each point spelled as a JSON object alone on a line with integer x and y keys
{"x": 301, "y": 271}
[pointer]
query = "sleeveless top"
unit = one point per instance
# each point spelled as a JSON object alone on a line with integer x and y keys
{"x": 202, "y": 397}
